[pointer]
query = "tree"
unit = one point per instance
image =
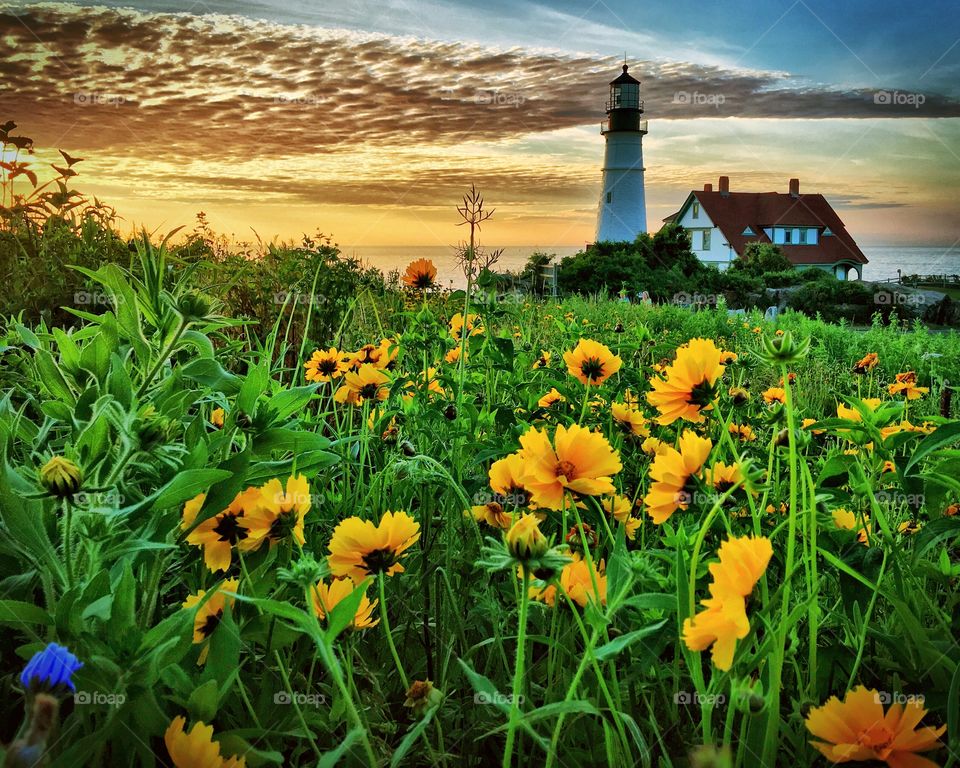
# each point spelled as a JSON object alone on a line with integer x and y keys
{"x": 758, "y": 258}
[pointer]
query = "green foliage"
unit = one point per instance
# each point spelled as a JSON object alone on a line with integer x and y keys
{"x": 758, "y": 258}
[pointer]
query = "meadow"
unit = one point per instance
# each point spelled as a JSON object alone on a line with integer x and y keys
{"x": 315, "y": 519}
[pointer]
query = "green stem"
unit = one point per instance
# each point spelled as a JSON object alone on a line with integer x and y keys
{"x": 386, "y": 626}
{"x": 164, "y": 354}
{"x": 518, "y": 670}
{"x": 67, "y": 541}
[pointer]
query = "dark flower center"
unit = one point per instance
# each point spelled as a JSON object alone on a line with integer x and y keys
{"x": 379, "y": 560}
{"x": 591, "y": 368}
{"x": 368, "y": 391}
{"x": 283, "y": 525}
{"x": 327, "y": 366}
{"x": 423, "y": 280}
{"x": 565, "y": 469}
{"x": 211, "y": 623}
{"x": 228, "y": 528}
{"x": 702, "y": 394}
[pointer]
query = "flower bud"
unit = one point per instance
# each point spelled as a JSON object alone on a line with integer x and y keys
{"x": 61, "y": 477}
{"x": 422, "y": 696}
{"x": 193, "y": 306}
{"x": 525, "y": 540}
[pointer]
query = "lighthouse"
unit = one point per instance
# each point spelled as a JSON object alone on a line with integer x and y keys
{"x": 623, "y": 210}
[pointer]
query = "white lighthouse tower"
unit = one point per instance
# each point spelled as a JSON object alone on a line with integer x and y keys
{"x": 623, "y": 208}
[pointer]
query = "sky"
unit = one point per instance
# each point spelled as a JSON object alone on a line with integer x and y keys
{"x": 368, "y": 120}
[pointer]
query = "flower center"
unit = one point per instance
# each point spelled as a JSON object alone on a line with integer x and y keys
{"x": 228, "y": 528}
{"x": 564, "y": 469}
{"x": 327, "y": 366}
{"x": 379, "y": 560}
{"x": 368, "y": 391}
{"x": 702, "y": 394}
{"x": 211, "y": 623}
{"x": 591, "y": 368}
{"x": 283, "y": 525}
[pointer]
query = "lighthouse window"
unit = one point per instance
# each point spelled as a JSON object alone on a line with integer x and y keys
{"x": 609, "y": 197}
{"x": 696, "y": 211}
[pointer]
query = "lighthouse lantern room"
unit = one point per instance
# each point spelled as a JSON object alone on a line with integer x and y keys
{"x": 622, "y": 214}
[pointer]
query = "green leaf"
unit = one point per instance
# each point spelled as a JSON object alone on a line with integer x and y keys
{"x": 202, "y": 704}
{"x": 331, "y": 758}
{"x": 290, "y": 401}
{"x": 284, "y": 440}
{"x": 211, "y": 374}
{"x": 939, "y": 438}
{"x": 20, "y": 613}
{"x": 52, "y": 378}
{"x": 344, "y": 612}
{"x": 411, "y": 737}
{"x": 619, "y": 644}
{"x": 186, "y": 485}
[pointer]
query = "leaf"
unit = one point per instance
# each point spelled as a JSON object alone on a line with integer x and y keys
{"x": 344, "y": 612}
{"x": 52, "y": 378}
{"x": 331, "y": 758}
{"x": 619, "y": 644}
{"x": 412, "y": 735}
{"x": 284, "y": 404}
{"x": 211, "y": 374}
{"x": 939, "y": 438}
{"x": 20, "y": 613}
{"x": 284, "y": 440}
{"x": 186, "y": 485}
{"x": 202, "y": 704}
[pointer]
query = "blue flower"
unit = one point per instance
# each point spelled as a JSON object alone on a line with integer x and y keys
{"x": 50, "y": 668}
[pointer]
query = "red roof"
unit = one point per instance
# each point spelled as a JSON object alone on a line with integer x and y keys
{"x": 733, "y": 212}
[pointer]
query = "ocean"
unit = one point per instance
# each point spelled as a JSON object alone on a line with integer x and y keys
{"x": 885, "y": 260}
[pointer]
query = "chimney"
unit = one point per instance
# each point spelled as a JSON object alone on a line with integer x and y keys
{"x": 724, "y": 185}
{"x": 794, "y": 187}
{"x": 708, "y": 187}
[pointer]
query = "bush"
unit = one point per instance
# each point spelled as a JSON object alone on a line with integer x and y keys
{"x": 758, "y": 258}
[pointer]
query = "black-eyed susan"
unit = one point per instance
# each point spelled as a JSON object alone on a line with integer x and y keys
{"x": 279, "y": 515}
{"x": 506, "y": 481}
{"x": 366, "y": 383}
{"x": 591, "y": 362}
{"x": 689, "y": 386}
{"x": 493, "y": 514}
{"x": 672, "y": 472}
{"x": 325, "y": 365}
{"x": 551, "y": 398}
{"x": 743, "y": 432}
{"x": 774, "y": 395}
{"x": 208, "y": 616}
{"x": 327, "y": 596}
{"x": 358, "y": 548}
{"x": 218, "y": 535}
{"x": 906, "y": 385}
{"x": 196, "y": 748}
{"x": 420, "y": 274}
{"x": 543, "y": 361}
{"x": 579, "y": 461}
{"x": 858, "y": 729}
{"x": 629, "y": 419}
{"x": 866, "y": 363}
{"x": 473, "y": 324}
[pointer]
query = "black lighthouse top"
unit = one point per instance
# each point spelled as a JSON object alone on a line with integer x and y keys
{"x": 625, "y": 107}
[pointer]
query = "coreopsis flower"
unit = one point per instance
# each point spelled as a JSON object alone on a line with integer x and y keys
{"x": 61, "y": 477}
{"x": 689, "y": 386}
{"x": 327, "y": 596}
{"x": 723, "y": 620}
{"x": 387, "y": 354}
{"x": 209, "y": 615}
{"x": 782, "y": 509}
{"x": 630, "y": 420}
{"x": 867, "y": 363}
{"x": 474, "y": 325}
{"x": 672, "y": 472}
{"x": 905, "y": 426}
{"x": 420, "y": 274}
{"x": 743, "y": 432}
{"x": 218, "y": 535}
{"x": 722, "y": 477}
{"x": 848, "y": 521}
{"x": 551, "y": 398}
{"x": 807, "y": 423}
{"x": 857, "y": 728}
{"x": 506, "y": 481}
{"x": 618, "y": 507}
{"x": 579, "y": 461}
{"x": 906, "y": 384}
{"x": 325, "y": 365}
{"x": 739, "y": 395}
{"x": 653, "y": 446}
{"x": 452, "y": 356}
{"x": 280, "y": 513}
{"x": 217, "y": 416}
{"x": 366, "y": 383}
{"x": 727, "y": 357}
{"x": 543, "y": 361}
{"x": 426, "y": 382}
{"x": 591, "y": 362}
{"x": 50, "y": 670}
{"x": 631, "y": 525}
{"x": 525, "y": 541}
{"x": 358, "y": 548}
{"x": 576, "y": 579}
{"x": 196, "y": 748}
{"x": 493, "y": 514}
{"x": 774, "y": 395}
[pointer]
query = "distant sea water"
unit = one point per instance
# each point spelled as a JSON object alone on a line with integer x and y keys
{"x": 885, "y": 260}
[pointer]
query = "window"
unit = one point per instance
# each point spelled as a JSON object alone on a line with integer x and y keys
{"x": 812, "y": 236}
{"x": 696, "y": 210}
{"x": 778, "y": 236}
{"x": 748, "y": 232}
{"x": 609, "y": 197}
{"x": 827, "y": 232}
{"x": 706, "y": 240}
{"x": 787, "y": 236}
{"x": 803, "y": 237}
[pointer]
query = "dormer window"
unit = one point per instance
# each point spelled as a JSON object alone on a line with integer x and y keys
{"x": 695, "y": 213}
{"x": 748, "y": 232}
{"x": 827, "y": 231}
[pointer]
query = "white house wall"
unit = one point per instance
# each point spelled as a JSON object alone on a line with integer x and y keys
{"x": 720, "y": 253}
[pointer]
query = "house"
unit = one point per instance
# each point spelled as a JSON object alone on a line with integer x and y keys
{"x": 805, "y": 226}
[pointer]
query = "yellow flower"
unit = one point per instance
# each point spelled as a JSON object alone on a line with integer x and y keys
{"x": 577, "y": 580}
{"x": 591, "y": 362}
{"x": 220, "y": 533}
{"x": 632, "y": 525}
{"x": 858, "y": 729}
{"x": 493, "y": 514}
{"x": 618, "y": 507}
{"x": 327, "y": 596}
{"x": 723, "y": 620}
{"x": 774, "y": 395}
{"x": 853, "y": 414}
{"x": 551, "y": 398}
{"x": 367, "y": 383}
{"x": 743, "y": 432}
{"x": 690, "y": 386}
{"x": 906, "y": 383}
{"x": 208, "y": 615}
{"x": 739, "y": 395}
{"x": 653, "y": 446}
{"x": 506, "y": 481}
{"x": 543, "y": 361}
{"x": 722, "y": 477}
{"x": 524, "y": 538}
{"x": 671, "y": 472}
{"x": 868, "y": 363}
{"x": 848, "y": 521}
{"x": 474, "y": 325}
{"x": 426, "y": 382}
{"x": 581, "y": 462}
{"x": 279, "y": 516}
{"x": 196, "y": 748}
{"x": 325, "y": 365}
{"x": 216, "y": 417}
{"x": 358, "y": 548}
{"x": 453, "y": 355}
{"x": 630, "y": 420}
{"x": 61, "y": 477}
{"x": 420, "y": 274}
{"x": 727, "y": 357}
